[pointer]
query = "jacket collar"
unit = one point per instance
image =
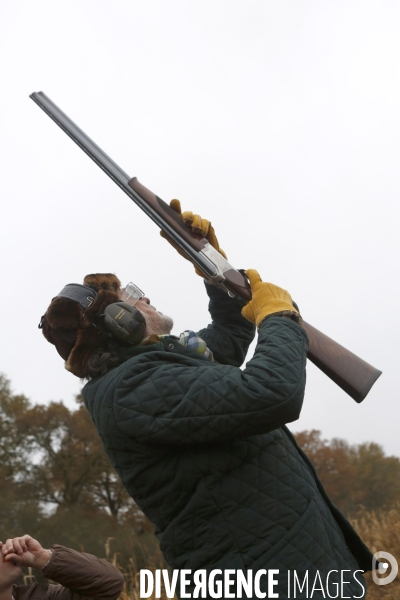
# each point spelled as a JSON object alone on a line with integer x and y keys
{"x": 168, "y": 343}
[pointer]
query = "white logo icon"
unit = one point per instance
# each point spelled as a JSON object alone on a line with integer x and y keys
{"x": 390, "y": 561}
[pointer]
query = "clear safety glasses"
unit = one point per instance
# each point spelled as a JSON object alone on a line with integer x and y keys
{"x": 132, "y": 292}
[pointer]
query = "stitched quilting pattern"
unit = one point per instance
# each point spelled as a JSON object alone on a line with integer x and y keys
{"x": 200, "y": 447}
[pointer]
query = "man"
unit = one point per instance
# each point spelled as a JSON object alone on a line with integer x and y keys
{"x": 201, "y": 445}
{"x": 79, "y": 575}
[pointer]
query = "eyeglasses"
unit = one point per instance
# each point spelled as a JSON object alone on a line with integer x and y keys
{"x": 132, "y": 291}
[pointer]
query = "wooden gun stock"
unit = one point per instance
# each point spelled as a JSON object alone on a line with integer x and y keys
{"x": 348, "y": 371}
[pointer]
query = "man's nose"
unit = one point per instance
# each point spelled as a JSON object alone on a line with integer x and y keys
{"x": 145, "y": 299}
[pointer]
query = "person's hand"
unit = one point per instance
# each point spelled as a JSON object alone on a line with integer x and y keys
{"x": 25, "y": 552}
{"x": 267, "y": 299}
{"x": 197, "y": 225}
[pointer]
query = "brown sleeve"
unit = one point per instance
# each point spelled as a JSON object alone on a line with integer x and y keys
{"x": 81, "y": 574}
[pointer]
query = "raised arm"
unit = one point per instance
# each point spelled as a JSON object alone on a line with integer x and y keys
{"x": 81, "y": 574}
{"x": 186, "y": 401}
{"x": 229, "y": 335}
{"x": 78, "y": 574}
{"x": 160, "y": 399}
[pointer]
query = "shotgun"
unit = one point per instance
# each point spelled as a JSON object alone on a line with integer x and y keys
{"x": 348, "y": 371}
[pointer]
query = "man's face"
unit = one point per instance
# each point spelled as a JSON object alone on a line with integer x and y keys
{"x": 9, "y": 573}
{"x": 156, "y": 322}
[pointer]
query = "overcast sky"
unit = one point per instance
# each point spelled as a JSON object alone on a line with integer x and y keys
{"x": 277, "y": 120}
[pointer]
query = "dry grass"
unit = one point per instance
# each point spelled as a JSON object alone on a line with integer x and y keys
{"x": 381, "y": 532}
{"x": 131, "y": 574}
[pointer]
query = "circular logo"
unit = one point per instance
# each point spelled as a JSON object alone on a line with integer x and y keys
{"x": 387, "y": 564}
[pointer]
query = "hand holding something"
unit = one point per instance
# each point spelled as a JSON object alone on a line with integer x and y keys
{"x": 267, "y": 299}
{"x": 197, "y": 225}
{"x": 25, "y": 552}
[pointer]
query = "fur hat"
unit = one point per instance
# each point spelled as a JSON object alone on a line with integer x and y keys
{"x": 70, "y": 328}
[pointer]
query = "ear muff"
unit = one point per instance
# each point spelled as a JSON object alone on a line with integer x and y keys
{"x": 124, "y": 322}
{"x": 119, "y": 320}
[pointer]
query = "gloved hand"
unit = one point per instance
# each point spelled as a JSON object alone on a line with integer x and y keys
{"x": 267, "y": 299}
{"x": 197, "y": 225}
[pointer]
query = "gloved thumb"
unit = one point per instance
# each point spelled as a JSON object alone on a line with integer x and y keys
{"x": 254, "y": 277}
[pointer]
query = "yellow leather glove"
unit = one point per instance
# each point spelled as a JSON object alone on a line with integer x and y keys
{"x": 197, "y": 225}
{"x": 267, "y": 299}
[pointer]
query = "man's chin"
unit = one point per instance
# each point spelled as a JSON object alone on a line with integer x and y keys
{"x": 159, "y": 324}
{"x": 165, "y": 324}
{"x": 170, "y": 326}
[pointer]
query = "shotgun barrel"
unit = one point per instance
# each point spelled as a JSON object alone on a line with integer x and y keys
{"x": 115, "y": 172}
{"x": 348, "y": 371}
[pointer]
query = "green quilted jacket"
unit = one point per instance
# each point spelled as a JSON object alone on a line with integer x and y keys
{"x": 202, "y": 448}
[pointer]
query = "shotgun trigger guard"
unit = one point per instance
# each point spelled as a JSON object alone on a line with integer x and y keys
{"x": 220, "y": 264}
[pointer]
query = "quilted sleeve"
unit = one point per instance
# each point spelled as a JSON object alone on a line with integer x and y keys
{"x": 229, "y": 335}
{"x": 168, "y": 402}
{"x": 81, "y": 576}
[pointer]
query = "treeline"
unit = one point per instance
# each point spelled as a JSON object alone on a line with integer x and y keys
{"x": 355, "y": 476}
{"x": 58, "y": 484}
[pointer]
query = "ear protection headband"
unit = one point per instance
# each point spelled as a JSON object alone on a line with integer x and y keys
{"x": 119, "y": 320}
